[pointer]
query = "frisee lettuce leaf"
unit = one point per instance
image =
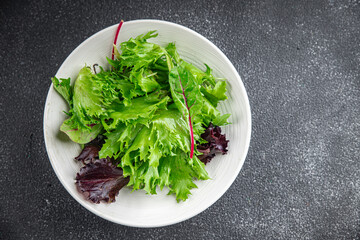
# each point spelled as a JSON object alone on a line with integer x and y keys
{"x": 146, "y": 106}
{"x": 178, "y": 174}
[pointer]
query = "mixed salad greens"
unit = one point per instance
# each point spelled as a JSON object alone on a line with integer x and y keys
{"x": 149, "y": 121}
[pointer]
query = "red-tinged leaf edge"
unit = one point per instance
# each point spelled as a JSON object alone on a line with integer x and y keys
{"x": 100, "y": 181}
{"x": 116, "y": 37}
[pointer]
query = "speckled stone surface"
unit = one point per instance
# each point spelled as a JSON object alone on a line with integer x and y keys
{"x": 300, "y": 63}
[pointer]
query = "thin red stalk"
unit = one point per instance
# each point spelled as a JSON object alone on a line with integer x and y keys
{"x": 116, "y": 37}
{"x": 192, "y": 138}
{"x": 190, "y": 124}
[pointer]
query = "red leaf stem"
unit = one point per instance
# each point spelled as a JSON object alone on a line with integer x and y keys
{"x": 190, "y": 123}
{"x": 116, "y": 37}
{"x": 192, "y": 138}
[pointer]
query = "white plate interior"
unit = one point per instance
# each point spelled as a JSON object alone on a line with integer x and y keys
{"x": 137, "y": 208}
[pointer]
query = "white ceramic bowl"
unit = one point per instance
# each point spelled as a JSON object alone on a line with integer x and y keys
{"x": 136, "y": 208}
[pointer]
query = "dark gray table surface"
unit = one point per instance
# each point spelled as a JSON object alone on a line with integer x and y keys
{"x": 300, "y": 63}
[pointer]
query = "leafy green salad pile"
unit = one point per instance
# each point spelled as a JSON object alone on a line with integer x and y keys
{"x": 151, "y": 109}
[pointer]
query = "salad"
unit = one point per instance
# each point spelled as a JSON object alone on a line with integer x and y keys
{"x": 149, "y": 121}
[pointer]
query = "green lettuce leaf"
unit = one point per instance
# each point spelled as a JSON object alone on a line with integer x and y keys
{"x": 80, "y": 135}
{"x": 185, "y": 91}
{"x": 142, "y": 109}
{"x": 190, "y": 100}
{"x": 212, "y": 91}
{"x": 215, "y": 94}
{"x": 167, "y": 132}
{"x": 87, "y": 102}
{"x": 118, "y": 140}
{"x": 63, "y": 87}
{"x": 145, "y": 80}
{"x": 114, "y": 85}
{"x": 138, "y": 53}
{"x": 200, "y": 76}
{"x": 178, "y": 175}
{"x": 171, "y": 49}
{"x": 78, "y": 131}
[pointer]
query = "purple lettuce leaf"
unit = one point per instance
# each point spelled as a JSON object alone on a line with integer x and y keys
{"x": 216, "y": 143}
{"x": 100, "y": 181}
{"x": 91, "y": 150}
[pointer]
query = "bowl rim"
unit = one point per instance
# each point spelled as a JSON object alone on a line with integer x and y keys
{"x": 224, "y": 189}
